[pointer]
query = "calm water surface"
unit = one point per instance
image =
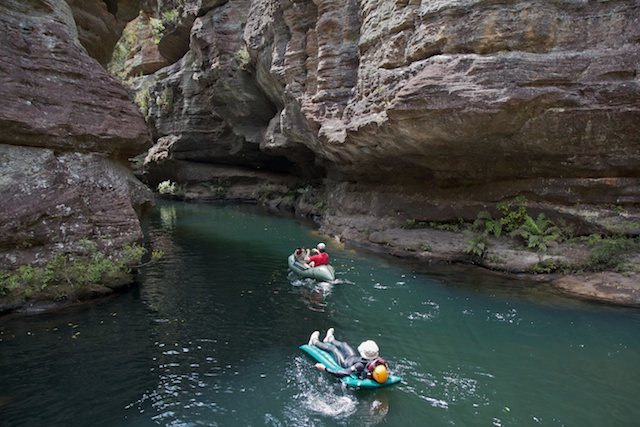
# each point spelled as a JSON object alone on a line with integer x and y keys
{"x": 210, "y": 337}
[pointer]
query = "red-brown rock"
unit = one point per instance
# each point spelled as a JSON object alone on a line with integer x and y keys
{"x": 68, "y": 129}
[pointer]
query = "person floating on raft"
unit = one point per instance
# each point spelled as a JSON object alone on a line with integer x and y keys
{"x": 302, "y": 257}
{"x": 316, "y": 266}
{"x": 320, "y": 257}
{"x": 364, "y": 363}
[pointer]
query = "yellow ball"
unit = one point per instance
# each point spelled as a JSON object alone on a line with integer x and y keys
{"x": 380, "y": 374}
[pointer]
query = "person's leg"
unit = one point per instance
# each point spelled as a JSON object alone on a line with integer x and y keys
{"x": 315, "y": 336}
{"x": 335, "y": 351}
{"x": 329, "y": 337}
{"x": 341, "y": 351}
{"x": 345, "y": 348}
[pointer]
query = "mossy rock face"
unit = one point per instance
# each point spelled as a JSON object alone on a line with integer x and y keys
{"x": 63, "y": 295}
{"x": 84, "y": 274}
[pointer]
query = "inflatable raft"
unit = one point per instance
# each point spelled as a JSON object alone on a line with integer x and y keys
{"x": 352, "y": 380}
{"x": 324, "y": 273}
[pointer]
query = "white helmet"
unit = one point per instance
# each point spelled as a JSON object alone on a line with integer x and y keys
{"x": 321, "y": 246}
{"x": 368, "y": 349}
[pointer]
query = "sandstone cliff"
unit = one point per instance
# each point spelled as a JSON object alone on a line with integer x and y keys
{"x": 448, "y": 105}
{"x": 410, "y": 110}
{"x": 68, "y": 130}
{"x": 401, "y": 110}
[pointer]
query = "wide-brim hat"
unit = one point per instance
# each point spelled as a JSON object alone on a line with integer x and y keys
{"x": 368, "y": 349}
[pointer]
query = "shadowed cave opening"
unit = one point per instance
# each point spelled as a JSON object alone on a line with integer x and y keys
{"x": 112, "y": 6}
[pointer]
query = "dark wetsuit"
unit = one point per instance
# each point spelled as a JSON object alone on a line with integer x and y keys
{"x": 346, "y": 357}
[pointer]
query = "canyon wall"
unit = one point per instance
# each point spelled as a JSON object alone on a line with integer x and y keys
{"x": 376, "y": 111}
{"x": 68, "y": 130}
{"x": 425, "y": 110}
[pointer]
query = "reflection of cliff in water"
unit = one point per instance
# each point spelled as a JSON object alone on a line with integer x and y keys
{"x": 168, "y": 216}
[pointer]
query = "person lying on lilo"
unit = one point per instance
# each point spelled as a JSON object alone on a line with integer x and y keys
{"x": 364, "y": 363}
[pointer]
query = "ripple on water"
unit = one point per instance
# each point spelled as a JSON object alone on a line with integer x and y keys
{"x": 428, "y": 311}
{"x": 509, "y": 316}
{"x": 314, "y": 295}
{"x": 317, "y": 395}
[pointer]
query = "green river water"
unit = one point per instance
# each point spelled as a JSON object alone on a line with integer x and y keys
{"x": 210, "y": 334}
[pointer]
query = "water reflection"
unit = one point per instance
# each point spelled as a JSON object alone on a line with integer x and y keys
{"x": 168, "y": 215}
{"x": 313, "y": 294}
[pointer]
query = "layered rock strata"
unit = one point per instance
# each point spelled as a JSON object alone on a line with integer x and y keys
{"x": 407, "y": 109}
{"x": 68, "y": 130}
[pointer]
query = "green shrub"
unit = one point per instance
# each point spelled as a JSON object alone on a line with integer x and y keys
{"x": 166, "y": 101}
{"x": 553, "y": 265}
{"x": 74, "y": 270}
{"x": 142, "y": 100}
{"x": 167, "y": 187}
{"x": 157, "y": 30}
{"x": 513, "y": 213}
{"x": 477, "y": 244}
{"x": 219, "y": 188}
{"x": 487, "y": 225}
{"x": 243, "y": 58}
{"x": 537, "y": 233}
{"x": 123, "y": 49}
{"x": 412, "y": 224}
{"x": 448, "y": 226}
{"x": 170, "y": 16}
{"x": 267, "y": 193}
{"x": 608, "y": 252}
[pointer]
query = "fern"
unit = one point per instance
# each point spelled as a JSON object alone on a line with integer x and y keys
{"x": 486, "y": 224}
{"x": 477, "y": 244}
{"x": 513, "y": 218}
{"x": 538, "y": 233}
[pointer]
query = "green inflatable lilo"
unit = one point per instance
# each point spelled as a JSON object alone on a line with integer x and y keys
{"x": 372, "y": 369}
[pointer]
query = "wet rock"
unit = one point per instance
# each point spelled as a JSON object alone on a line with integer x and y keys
{"x": 52, "y": 200}
{"x": 614, "y": 288}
